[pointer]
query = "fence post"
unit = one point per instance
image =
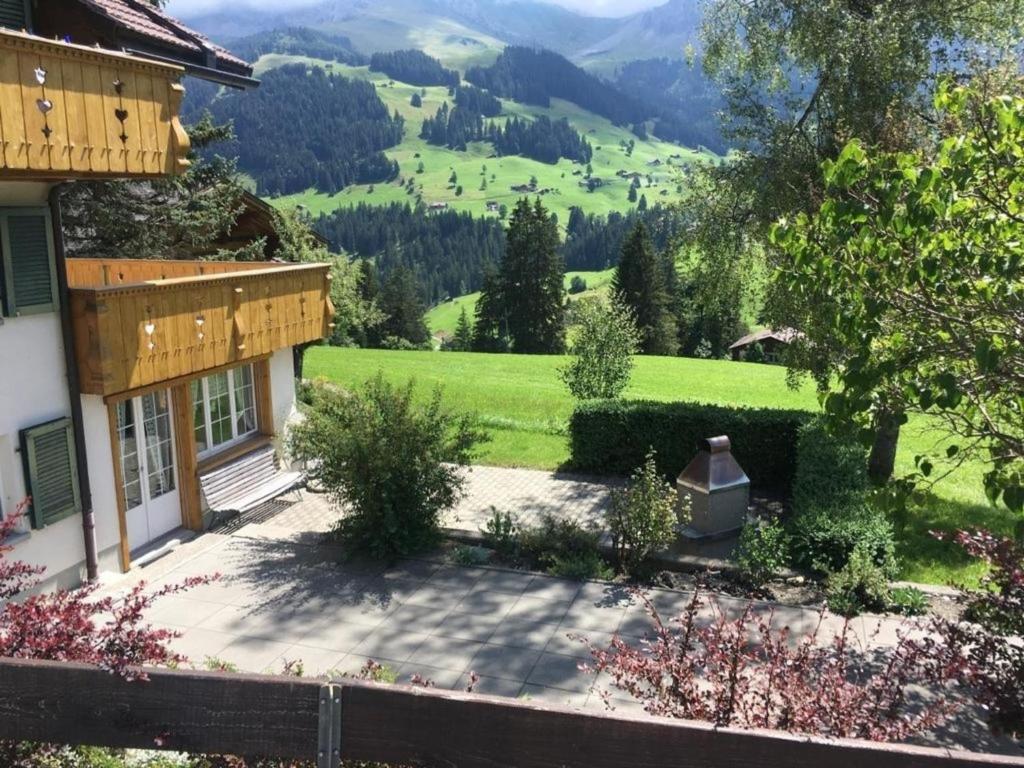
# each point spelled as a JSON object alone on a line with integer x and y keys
{"x": 328, "y": 753}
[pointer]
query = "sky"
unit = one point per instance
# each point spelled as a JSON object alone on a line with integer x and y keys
{"x": 590, "y": 7}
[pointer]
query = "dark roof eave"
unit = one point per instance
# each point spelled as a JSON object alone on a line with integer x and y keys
{"x": 223, "y": 77}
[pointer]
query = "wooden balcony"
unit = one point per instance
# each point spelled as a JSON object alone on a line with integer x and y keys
{"x": 138, "y": 323}
{"x": 68, "y": 111}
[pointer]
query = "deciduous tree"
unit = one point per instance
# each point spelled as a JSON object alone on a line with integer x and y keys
{"x": 603, "y": 345}
{"x": 910, "y": 276}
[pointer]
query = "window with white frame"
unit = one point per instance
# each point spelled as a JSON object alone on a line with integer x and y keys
{"x": 224, "y": 409}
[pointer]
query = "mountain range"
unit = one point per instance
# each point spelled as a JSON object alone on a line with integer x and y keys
{"x": 467, "y": 32}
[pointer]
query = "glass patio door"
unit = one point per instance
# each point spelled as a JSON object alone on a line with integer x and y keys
{"x": 148, "y": 472}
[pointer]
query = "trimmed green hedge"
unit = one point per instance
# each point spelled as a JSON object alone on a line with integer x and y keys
{"x": 614, "y": 436}
{"x": 832, "y": 513}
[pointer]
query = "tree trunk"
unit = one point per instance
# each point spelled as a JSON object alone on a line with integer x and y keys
{"x": 882, "y": 460}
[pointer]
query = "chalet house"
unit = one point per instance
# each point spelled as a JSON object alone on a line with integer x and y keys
{"x": 771, "y": 344}
{"x": 124, "y": 384}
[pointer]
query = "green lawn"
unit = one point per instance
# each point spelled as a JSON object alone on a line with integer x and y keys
{"x": 525, "y": 407}
{"x": 661, "y": 164}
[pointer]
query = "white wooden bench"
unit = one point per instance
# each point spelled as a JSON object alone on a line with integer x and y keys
{"x": 246, "y": 482}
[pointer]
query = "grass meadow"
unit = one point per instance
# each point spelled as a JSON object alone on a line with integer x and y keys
{"x": 520, "y": 400}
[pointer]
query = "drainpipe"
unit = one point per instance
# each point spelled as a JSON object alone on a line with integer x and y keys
{"x": 92, "y": 568}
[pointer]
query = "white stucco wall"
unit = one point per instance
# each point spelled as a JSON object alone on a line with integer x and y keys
{"x": 101, "y": 479}
{"x": 34, "y": 390}
{"x": 282, "y": 390}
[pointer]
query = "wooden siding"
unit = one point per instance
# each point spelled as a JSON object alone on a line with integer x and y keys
{"x": 68, "y": 111}
{"x": 130, "y": 336}
{"x": 97, "y": 273}
{"x": 185, "y": 447}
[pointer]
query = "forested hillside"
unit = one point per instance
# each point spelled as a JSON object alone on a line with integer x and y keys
{"x": 413, "y": 67}
{"x": 543, "y": 139}
{"x": 306, "y": 128}
{"x": 534, "y": 76}
{"x": 301, "y": 41}
{"x": 448, "y": 252}
{"x": 689, "y": 102}
{"x": 477, "y": 101}
{"x": 595, "y": 242}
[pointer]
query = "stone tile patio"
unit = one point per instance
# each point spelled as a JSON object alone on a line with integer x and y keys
{"x": 527, "y": 493}
{"x": 285, "y": 596}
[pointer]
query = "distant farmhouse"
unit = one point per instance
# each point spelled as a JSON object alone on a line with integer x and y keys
{"x": 770, "y": 342}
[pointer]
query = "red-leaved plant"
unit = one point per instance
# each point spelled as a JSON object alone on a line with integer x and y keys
{"x": 993, "y": 629}
{"x": 745, "y": 673}
{"x": 76, "y": 625}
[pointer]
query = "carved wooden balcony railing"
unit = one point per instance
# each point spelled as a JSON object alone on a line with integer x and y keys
{"x": 69, "y": 111}
{"x": 138, "y": 323}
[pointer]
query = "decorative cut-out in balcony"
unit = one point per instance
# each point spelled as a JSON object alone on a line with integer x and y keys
{"x": 40, "y": 75}
{"x": 45, "y": 105}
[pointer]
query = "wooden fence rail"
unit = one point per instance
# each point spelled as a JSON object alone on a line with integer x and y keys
{"x": 210, "y": 712}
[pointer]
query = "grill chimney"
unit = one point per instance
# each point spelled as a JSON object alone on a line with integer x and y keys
{"x": 718, "y": 490}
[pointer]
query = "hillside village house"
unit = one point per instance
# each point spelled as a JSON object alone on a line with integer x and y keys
{"x": 123, "y": 382}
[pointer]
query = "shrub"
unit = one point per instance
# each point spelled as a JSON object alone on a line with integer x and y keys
{"x": 860, "y": 585}
{"x": 501, "y": 532}
{"x": 643, "y": 518}
{"x": 614, "y": 437}
{"x": 76, "y": 625}
{"x": 580, "y": 566}
{"x": 605, "y": 341}
{"x": 824, "y": 539}
{"x": 564, "y": 548}
{"x": 762, "y": 552}
{"x": 831, "y": 470}
{"x": 746, "y": 673}
{"x": 991, "y": 637}
{"x": 908, "y": 601}
{"x": 466, "y": 556}
{"x": 391, "y": 463}
{"x": 832, "y": 510}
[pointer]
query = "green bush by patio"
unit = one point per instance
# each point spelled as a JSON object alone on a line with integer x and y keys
{"x": 615, "y": 436}
{"x": 389, "y": 461}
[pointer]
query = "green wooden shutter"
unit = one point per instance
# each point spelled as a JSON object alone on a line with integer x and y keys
{"x": 30, "y": 279}
{"x": 14, "y": 14}
{"x": 51, "y": 472}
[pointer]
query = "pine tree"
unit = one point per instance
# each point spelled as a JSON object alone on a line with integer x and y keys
{"x": 463, "y": 339}
{"x": 532, "y": 281}
{"x": 369, "y": 291}
{"x": 402, "y": 307}
{"x": 643, "y": 203}
{"x": 632, "y": 194}
{"x": 490, "y": 333}
{"x": 639, "y": 283}
{"x": 416, "y": 100}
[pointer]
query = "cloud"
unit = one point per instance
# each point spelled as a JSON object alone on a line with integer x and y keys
{"x": 187, "y": 8}
{"x": 613, "y": 8}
